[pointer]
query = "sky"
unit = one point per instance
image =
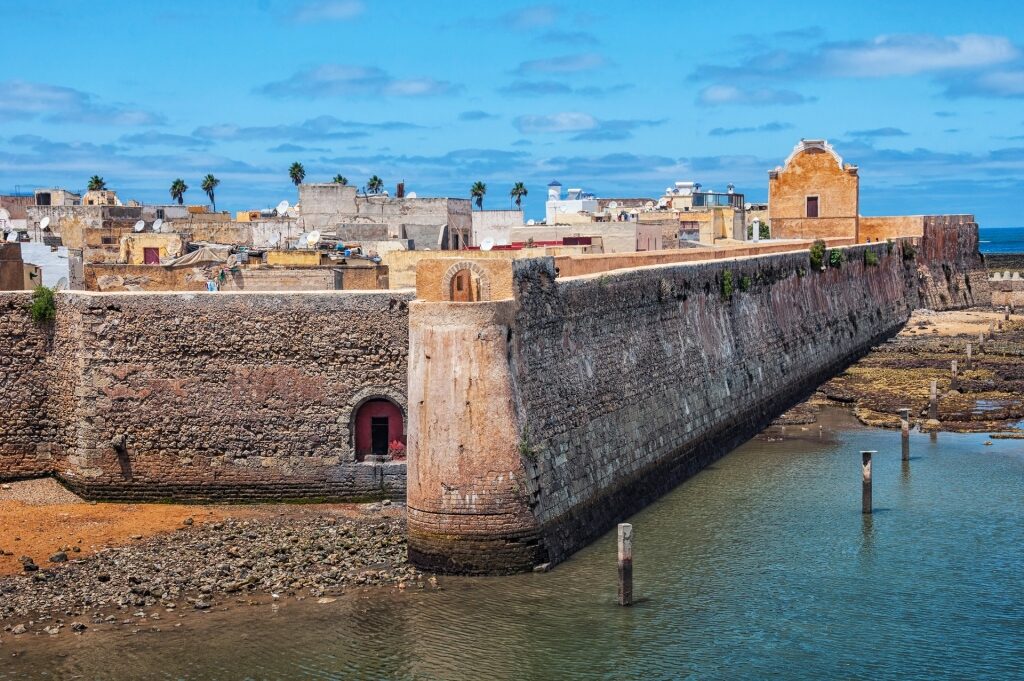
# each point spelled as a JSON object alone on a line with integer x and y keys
{"x": 622, "y": 99}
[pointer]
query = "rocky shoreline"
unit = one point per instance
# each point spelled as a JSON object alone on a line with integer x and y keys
{"x": 199, "y": 567}
{"x": 985, "y": 395}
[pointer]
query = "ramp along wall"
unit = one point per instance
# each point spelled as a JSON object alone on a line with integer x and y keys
{"x": 540, "y": 418}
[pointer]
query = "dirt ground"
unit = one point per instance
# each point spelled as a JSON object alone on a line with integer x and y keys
{"x": 38, "y": 518}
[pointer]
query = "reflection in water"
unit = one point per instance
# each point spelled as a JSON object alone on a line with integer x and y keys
{"x": 867, "y": 535}
{"x": 761, "y": 567}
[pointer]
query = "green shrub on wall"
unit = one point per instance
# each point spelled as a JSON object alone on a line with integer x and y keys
{"x": 727, "y": 285}
{"x": 835, "y": 258}
{"x": 744, "y": 283}
{"x": 44, "y": 305}
{"x": 818, "y": 255}
{"x": 870, "y": 258}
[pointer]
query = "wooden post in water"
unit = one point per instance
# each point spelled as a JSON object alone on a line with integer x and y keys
{"x": 968, "y": 355}
{"x": 625, "y": 564}
{"x": 933, "y": 401}
{"x": 905, "y": 428}
{"x": 865, "y": 489}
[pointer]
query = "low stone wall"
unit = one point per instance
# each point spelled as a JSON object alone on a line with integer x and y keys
{"x": 203, "y": 396}
{"x": 537, "y": 423}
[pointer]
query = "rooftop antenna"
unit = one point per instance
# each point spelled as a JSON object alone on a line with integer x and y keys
{"x": 139, "y": 226}
{"x": 157, "y": 225}
{"x": 313, "y": 238}
{"x": 282, "y": 208}
{"x": 44, "y": 223}
{"x": 487, "y": 244}
{"x": 12, "y": 237}
{"x": 62, "y": 284}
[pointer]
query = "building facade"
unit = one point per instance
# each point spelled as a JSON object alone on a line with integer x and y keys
{"x": 814, "y": 194}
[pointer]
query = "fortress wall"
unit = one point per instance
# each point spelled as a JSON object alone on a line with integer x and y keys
{"x": 210, "y": 395}
{"x": 26, "y": 429}
{"x": 621, "y": 385}
{"x": 951, "y": 272}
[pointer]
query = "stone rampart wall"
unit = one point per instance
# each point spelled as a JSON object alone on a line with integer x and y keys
{"x": 584, "y": 399}
{"x": 202, "y": 396}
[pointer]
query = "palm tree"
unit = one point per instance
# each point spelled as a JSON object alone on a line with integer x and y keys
{"x": 340, "y": 179}
{"x": 96, "y": 184}
{"x": 477, "y": 191}
{"x": 178, "y": 189}
{"x": 374, "y": 185}
{"x": 517, "y": 193}
{"x": 209, "y": 184}
{"x": 297, "y": 173}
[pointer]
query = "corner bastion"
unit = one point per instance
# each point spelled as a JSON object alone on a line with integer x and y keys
{"x": 540, "y": 419}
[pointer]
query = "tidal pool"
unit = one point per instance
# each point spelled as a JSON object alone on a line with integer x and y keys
{"x": 762, "y": 566}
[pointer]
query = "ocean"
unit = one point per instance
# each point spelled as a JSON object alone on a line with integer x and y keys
{"x": 1001, "y": 239}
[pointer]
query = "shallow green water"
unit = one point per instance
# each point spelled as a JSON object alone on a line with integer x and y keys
{"x": 760, "y": 567}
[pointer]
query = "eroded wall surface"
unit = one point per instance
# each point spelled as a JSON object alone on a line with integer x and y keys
{"x": 584, "y": 399}
{"x": 203, "y": 396}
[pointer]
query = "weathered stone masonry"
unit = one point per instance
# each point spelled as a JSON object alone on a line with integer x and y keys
{"x": 537, "y": 423}
{"x": 202, "y": 396}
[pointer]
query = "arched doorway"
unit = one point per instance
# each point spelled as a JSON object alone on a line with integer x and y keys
{"x": 466, "y": 282}
{"x": 465, "y": 287}
{"x": 378, "y": 423}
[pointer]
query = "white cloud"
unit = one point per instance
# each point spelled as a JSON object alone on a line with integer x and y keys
{"x": 906, "y": 55}
{"x": 571, "y": 63}
{"x": 724, "y": 95}
{"x": 999, "y": 83}
{"x": 328, "y": 10}
{"x": 24, "y": 100}
{"x": 334, "y": 80}
{"x": 566, "y": 121}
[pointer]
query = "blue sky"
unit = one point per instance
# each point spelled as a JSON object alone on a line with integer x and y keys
{"x": 620, "y": 98}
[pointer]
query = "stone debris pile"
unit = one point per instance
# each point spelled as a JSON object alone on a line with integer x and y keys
{"x": 206, "y": 565}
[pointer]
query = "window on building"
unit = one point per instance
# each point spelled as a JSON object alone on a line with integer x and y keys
{"x": 108, "y": 240}
{"x": 151, "y": 256}
{"x": 812, "y": 206}
{"x": 43, "y": 199}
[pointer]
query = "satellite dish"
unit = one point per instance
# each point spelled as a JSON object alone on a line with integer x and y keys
{"x": 4, "y": 215}
{"x": 612, "y": 205}
{"x": 139, "y": 226}
{"x": 44, "y": 223}
{"x": 313, "y": 238}
{"x": 411, "y": 195}
{"x": 303, "y": 238}
{"x": 282, "y": 208}
{"x": 62, "y": 284}
{"x": 157, "y": 224}
{"x": 12, "y": 237}
{"x": 531, "y": 223}
{"x": 487, "y": 244}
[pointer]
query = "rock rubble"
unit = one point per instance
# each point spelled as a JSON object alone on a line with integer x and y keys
{"x": 204, "y": 566}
